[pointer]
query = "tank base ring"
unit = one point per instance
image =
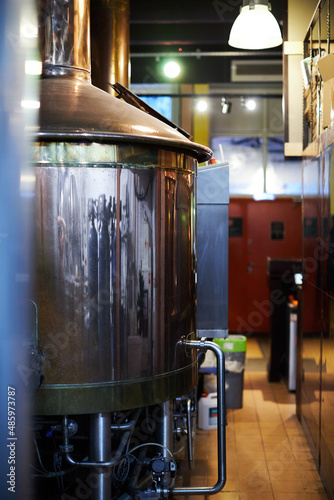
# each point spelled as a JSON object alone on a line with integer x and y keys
{"x": 77, "y": 399}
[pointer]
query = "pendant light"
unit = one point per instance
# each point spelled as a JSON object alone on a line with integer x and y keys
{"x": 255, "y": 27}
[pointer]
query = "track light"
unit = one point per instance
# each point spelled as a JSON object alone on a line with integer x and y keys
{"x": 226, "y": 106}
{"x": 255, "y": 27}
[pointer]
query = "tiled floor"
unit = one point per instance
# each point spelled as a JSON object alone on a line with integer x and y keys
{"x": 268, "y": 456}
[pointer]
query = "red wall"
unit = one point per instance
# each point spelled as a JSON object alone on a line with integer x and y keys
{"x": 248, "y": 284}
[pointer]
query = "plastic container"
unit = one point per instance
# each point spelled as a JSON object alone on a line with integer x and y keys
{"x": 207, "y": 412}
{"x": 234, "y": 348}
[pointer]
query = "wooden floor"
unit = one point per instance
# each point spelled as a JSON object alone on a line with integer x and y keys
{"x": 268, "y": 456}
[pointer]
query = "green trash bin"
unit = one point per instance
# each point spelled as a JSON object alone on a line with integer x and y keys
{"x": 234, "y": 348}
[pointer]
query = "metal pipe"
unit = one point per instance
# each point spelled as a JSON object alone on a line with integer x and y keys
{"x": 100, "y": 449}
{"x": 165, "y": 428}
{"x": 127, "y": 426}
{"x": 203, "y": 345}
{"x": 67, "y": 447}
{"x": 189, "y": 436}
{"x": 165, "y": 432}
{"x": 64, "y": 38}
{"x": 110, "y": 43}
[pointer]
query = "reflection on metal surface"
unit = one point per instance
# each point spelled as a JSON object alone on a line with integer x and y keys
{"x": 116, "y": 269}
{"x": 54, "y": 399}
{"x": 63, "y": 36}
{"x": 110, "y": 32}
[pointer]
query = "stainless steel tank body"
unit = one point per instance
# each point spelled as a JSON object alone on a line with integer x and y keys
{"x": 116, "y": 276}
{"x": 115, "y": 239}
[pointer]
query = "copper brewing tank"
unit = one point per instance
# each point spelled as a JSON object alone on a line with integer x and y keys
{"x": 115, "y": 218}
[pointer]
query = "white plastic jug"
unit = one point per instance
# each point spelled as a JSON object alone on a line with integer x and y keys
{"x": 207, "y": 412}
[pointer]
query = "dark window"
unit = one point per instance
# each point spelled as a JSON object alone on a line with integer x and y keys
{"x": 235, "y": 226}
{"x": 277, "y": 230}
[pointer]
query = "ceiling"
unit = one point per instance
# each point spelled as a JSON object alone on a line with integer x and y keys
{"x": 196, "y": 32}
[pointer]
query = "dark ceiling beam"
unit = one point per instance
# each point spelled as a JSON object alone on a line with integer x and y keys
{"x": 174, "y": 42}
{"x": 199, "y": 54}
{"x": 180, "y": 21}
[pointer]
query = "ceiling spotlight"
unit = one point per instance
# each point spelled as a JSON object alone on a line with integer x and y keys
{"x": 202, "y": 105}
{"x": 172, "y": 69}
{"x": 255, "y": 27}
{"x": 249, "y": 104}
{"x": 226, "y": 106}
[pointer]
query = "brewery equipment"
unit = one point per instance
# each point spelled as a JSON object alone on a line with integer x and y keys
{"x": 115, "y": 290}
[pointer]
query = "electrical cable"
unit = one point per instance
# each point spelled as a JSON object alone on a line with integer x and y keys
{"x": 39, "y": 457}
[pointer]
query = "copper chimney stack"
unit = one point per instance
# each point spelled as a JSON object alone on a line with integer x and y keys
{"x": 110, "y": 43}
{"x": 64, "y": 36}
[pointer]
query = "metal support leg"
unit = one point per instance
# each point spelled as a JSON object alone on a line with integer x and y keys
{"x": 165, "y": 434}
{"x": 100, "y": 451}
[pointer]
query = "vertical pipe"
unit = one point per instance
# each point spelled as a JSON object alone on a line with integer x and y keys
{"x": 110, "y": 43}
{"x": 165, "y": 431}
{"x": 64, "y": 37}
{"x": 100, "y": 451}
{"x": 221, "y": 431}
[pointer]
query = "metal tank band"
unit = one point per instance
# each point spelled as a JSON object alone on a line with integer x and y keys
{"x": 114, "y": 396}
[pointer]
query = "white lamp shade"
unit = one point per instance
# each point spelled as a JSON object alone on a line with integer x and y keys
{"x": 255, "y": 29}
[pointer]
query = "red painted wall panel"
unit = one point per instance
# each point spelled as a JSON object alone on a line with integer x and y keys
{"x": 269, "y": 229}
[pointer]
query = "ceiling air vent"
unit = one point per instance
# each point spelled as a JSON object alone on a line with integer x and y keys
{"x": 256, "y": 71}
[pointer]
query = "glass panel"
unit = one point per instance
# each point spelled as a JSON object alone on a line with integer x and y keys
{"x": 162, "y": 104}
{"x": 246, "y": 156}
